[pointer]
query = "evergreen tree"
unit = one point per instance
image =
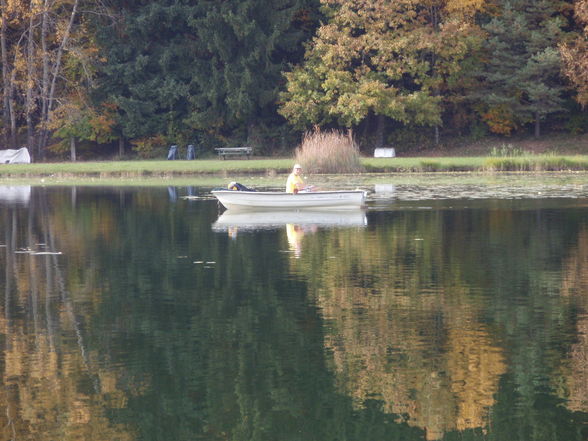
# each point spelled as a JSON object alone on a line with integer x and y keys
{"x": 179, "y": 66}
{"x": 246, "y": 47}
{"x": 149, "y": 63}
{"x": 521, "y": 77}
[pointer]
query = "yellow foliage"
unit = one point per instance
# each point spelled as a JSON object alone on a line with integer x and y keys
{"x": 575, "y": 286}
{"x": 500, "y": 120}
{"x": 465, "y": 5}
{"x": 76, "y": 118}
{"x": 574, "y": 56}
{"x": 149, "y": 147}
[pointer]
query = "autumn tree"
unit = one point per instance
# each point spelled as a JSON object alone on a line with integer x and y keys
{"x": 12, "y": 34}
{"x": 79, "y": 120}
{"x": 366, "y": 58}
{"x": 393, "y": 59}
{"x": 39, "y": 40}
{"x": 575, "y": 54}
{"x": 455, "y": 48}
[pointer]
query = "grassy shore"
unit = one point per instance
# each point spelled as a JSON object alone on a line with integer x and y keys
{"x": 138, "y": 168}
{"x": 274, "y": 166}
{"x": 478, "y": 164}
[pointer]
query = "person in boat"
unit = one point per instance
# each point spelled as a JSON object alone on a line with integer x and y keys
{"x": 295, "y": 183}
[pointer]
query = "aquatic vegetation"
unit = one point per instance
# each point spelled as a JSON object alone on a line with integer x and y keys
{"x": 329, "y": 152}
{"x": 508, "y": 151}
{"x": 536, "y": 163}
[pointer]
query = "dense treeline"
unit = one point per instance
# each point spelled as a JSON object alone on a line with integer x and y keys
{"x": 147, "y": 74}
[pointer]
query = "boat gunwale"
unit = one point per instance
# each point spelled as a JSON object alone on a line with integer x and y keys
{"x": 283, "y": 193}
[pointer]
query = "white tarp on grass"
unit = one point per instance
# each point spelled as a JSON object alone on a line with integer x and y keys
{"x": 20, "y": 156}
{"x": 385, "y": 152}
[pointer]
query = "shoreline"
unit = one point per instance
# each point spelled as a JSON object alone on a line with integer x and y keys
{"x": 573, "y": 180}
{"x": 272, "y": 167}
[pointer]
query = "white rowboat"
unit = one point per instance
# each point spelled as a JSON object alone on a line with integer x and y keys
{"x": 272, "y": 200}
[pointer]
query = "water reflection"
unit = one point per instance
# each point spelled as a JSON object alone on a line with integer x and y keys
{"x": 297, "y": 224}
{"x": 15, "y": 194}
{"x": 295, "y": 234}
{"x": 52, "y": 385}
{"x": 461, "y": 323}
{"x": 259, "y": 220}
{"x": 432, "y": 313}
{"x": 174, "y": 192}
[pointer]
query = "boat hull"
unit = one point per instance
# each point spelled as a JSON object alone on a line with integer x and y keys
{"x": 270, "y": 200}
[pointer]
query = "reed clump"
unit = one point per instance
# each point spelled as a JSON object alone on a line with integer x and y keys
{"x": 537, "y": 163}
{"x": 508, "y": 151}
{"x": 329, "y": 152}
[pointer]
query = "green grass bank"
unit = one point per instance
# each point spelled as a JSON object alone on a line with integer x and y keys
{"x": 274, "y": 166}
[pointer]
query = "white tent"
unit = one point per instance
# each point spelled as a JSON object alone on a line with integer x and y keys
{"x": 20, "y": 156}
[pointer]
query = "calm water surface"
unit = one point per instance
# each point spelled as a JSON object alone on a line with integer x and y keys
{"x": 137, "y": 314}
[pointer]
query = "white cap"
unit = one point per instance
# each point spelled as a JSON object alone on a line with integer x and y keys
{"x": 296, "y": 166}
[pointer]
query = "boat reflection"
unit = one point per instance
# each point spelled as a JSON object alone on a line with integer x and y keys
{"x": 260, "y": 220}
{"x": 297, "y": 223}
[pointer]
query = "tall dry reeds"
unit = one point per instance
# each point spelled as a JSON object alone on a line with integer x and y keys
{"x": 328, "y": 152}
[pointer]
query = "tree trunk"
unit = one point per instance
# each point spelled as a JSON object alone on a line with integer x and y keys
{"x": 380, "y": 129}
{"x": 253, "y": 136}
{"x": 5, "y": 87}
{"x": 12, "y": 106}
{"x": 55, "y": 73}
{"x": 436, "y": 135}
{"x": 72, "y": 148}
{"x": 365, "y": 133}
{"x": 121, "y": 147}
{"x": 537, "y": 125}
{"x": 45, "y": 74}
{"x": 350, "y": 135}
{"x": 29, "y": 105}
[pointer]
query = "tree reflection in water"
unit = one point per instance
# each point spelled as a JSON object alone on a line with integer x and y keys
{"x": 477, "y": 330}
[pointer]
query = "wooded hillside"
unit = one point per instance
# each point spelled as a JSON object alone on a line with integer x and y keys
{"x": 136, "y": 76}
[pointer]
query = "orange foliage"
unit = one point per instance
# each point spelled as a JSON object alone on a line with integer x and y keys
{"x": 574, "y": 55}
{"x": 500, "y": 120}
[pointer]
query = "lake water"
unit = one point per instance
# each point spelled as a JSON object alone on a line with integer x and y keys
{"x": 139, "y": 314}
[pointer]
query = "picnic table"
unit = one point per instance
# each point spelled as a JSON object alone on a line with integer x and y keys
{"x": 238, "y": 151}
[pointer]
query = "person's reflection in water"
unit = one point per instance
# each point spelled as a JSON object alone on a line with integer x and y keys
{"x": 233, "y": 231}
{"x": 295, "y": 235}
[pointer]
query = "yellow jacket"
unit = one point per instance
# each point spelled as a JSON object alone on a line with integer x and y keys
{"x": 293, "y": 182}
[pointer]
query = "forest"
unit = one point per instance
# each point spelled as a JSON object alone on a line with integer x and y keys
{"x": 129, "y": 78}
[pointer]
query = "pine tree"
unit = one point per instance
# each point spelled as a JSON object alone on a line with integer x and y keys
{"x": 521, "y": 77}
{"x": 177, "y": 67}
{"x": 149, "y": 62}
{"x": 247, "y": 45}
